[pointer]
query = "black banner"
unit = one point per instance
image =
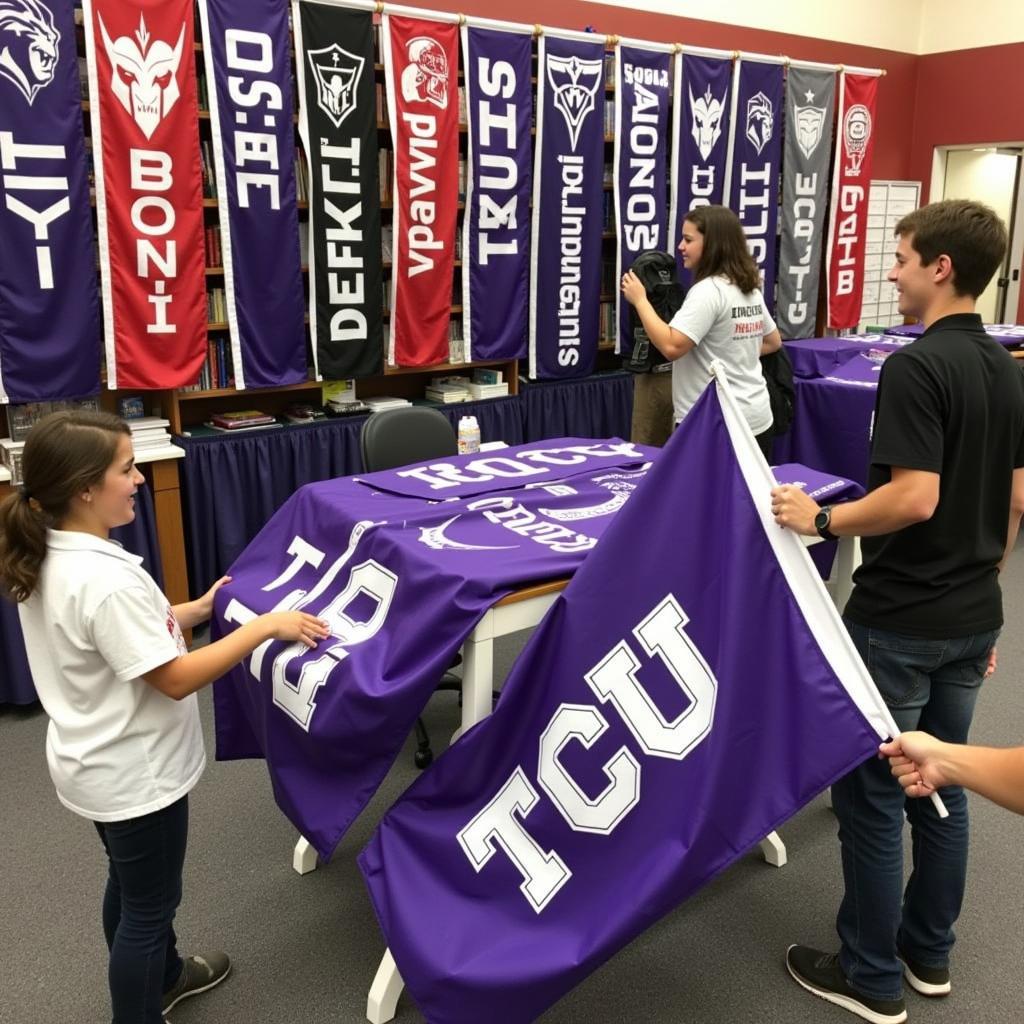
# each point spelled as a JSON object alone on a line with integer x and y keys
{"x": 338, "y": 126}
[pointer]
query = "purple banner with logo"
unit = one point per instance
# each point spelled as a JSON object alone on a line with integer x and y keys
{"x": 641, "y": 745}
{"x": 247, "y": 55}
{"x": 755, "y": 162}
{"x": 642, "y": 94}
{"x": 496, "y": 226}
{"x": 568, "y": 202}
{"x": 49, "y": 308}
{"x": 700, "y": 141}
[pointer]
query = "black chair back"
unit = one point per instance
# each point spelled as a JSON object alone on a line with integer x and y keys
{"x": 399, "y": 437}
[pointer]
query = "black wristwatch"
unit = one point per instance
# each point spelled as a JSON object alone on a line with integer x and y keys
{"x": 822, "y": 522}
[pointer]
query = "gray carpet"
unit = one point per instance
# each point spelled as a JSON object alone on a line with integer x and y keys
{"x": 306, "y": 948}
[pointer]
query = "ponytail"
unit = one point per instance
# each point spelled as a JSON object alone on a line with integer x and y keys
{"x": 65, "y": 453}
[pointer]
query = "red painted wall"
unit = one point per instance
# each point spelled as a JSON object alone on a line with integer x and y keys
{"x": 895, "y": 93}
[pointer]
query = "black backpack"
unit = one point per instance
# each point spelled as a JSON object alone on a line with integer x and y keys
{"x": 778, "y": 375}
{"x": 657, "y": 271}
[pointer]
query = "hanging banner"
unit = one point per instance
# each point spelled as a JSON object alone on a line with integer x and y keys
{"x": 496, "y": 225}
{"x": 247, "y": 56}
{"x": 810, "y": 111}
{"x": 849, "y": 212}
{"x": 754, "y": 162}
{"x": 421, "y": 65}
{"x": 642, "y": 92}
{"x": 338, "y": 128}
{"x": 49, "y": 308}
{"x": 700, "y": 142}
{"x": 605, "y": 788}
{"x": 568, "y": 200}
{"x": 149, "y": 196}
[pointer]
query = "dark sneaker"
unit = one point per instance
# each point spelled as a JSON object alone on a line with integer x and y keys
{"x": 199, "y": 974}
{"x": 928, "y": 981}
{"x": 821, "y": 974}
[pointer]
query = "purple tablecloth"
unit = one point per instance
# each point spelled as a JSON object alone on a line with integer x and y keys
{"x": 1010, "y": 335}
{"x": 818, "y": 357}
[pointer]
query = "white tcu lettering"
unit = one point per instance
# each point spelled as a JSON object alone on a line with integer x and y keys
{"x": 502, "y": 822}
{"x": 804, "y": 208}
{"x": 570, "y": 246}
{"x": 499, "y": 202}
{"x": 639, "y": 224}
{"x": 150, "y": 170}
{"x": 847, "y": 237}
{"x": 11, "y": 153}
{"x": 755, "y": 195}
{"x": 422, "y": 212}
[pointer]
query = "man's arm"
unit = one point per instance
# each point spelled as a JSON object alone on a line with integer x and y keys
{"x": 1016, "y": 511}
{"x": 911, "y": 496}
{"x": 923, "y": 764}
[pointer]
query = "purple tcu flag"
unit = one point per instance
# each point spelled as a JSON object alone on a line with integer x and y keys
{"x": 49, "y": 308}
{"x": 643, "y": 90}
{"x": 700, "y": 141}
{"x": 568, "y": 196}
{"x": 496, "y": 227}
{"x": 645, "y": 739}
{"x": 247, "y": 54}
{"x": 754, "y": 162}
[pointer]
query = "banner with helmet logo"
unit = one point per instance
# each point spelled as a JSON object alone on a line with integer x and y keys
{"x": 850, "y": 188}
{"x": 496, "y": 226}
{"x": 49, "y": 307}
{"x": 642, "y": 89}
{"x": 568, "y": 200}
{"x": 338, "y": 128}
{"x": 810, "y": 110}
{"x": 700, "y": 141}
{"x": 149, "y": 195}
{"x": 754, "y": 162}
{"x": 247, "y": 54}
{"x": 421, "y": 65}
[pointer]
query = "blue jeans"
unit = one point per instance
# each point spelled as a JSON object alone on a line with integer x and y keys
{"x": 143, "y": 891}
{"x": 930, "y": 685}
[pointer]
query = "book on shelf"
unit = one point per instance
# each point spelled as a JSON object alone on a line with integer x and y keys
{"x": 486, "y": 375}
{"x": 379, "y": 403}
{"x": 10, "y": 455}
{"x": 22, "y": 418}
{"x": 446, "y": 393}
{"x": 210, "y": 425}
{"x": 237, "y": 419}
{"x": 356, "y": 408}
{"x": 478, "y": 391}
{"x": 338, "y": 392}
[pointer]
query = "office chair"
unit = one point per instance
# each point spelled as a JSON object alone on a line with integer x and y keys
{"x": 399, "y": 437}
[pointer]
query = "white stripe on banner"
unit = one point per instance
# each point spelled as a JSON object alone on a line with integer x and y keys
{"x": 389, "y": 85}
{"x": 620, "y": 214}
{"x": 731, "y": 145}
{"x": 467, "y": 220}
{"x": 223, "y": 206}
{"x": 677, "y": 130}
{"x": 535, "y": 232}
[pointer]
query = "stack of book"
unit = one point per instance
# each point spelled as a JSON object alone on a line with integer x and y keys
{"x": 447, "y": 389}
{"x": 242, "y": 419}
{"x": 487, "y": 383}
{"x": 149, "y": 433}
{"x": 10, "y": 455}
{"x": 382, "y": 402}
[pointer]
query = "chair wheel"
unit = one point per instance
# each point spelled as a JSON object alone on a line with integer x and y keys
{"x": 423, "y": 758}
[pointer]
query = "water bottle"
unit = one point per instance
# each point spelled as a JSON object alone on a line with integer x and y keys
{"x": 469, "y": 435}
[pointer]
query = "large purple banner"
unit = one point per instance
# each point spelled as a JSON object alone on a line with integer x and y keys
{"x": 568, "y": 193}
{"x": 642, "y": 92}
{"x": 247, "y": 56}
{"x": 639, "y": 748}
{"x": 700, "y": 140}
{"x": 49, "y": 308}
{"x": 496, "y": 226}
{"x": 755, "y": 162}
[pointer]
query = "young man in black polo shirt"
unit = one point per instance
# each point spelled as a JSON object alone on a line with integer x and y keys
{"x": 946, "y": 492}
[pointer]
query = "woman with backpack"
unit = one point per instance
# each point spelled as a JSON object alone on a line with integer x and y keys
{"x": 723, "y": 317}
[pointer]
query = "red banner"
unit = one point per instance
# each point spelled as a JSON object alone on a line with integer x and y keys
{"x": 421, "y": 63}
{"x": 850, "y": 188}
{"x": 149, "y": 196}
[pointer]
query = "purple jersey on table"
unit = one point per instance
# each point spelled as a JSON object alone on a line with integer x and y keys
{"x": 646, "y": 738}
{"x": 860, "y": 371}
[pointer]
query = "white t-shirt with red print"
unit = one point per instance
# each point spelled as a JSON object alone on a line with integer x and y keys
{"x": 116, "y": 747}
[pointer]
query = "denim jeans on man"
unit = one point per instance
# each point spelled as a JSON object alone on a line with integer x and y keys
{"x": 930, "y": 685}
{"x": 143, "y": 891}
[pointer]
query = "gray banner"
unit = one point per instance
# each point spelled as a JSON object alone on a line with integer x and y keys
{"x": 810, "y": 111}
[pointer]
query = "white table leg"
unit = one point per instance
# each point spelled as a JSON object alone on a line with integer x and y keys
{"x": 384, "y": 992}
{"x": 773, "y": 849}
{"x": 304, "y": 857}
{"x": 477, "y": 676}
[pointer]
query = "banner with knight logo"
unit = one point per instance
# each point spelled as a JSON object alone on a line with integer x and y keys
{"x": 420, "y": 65}
{"x": 642, "y": 90}
{"x": 49, "y": 307}
{"x": 568, "y": 200}
{"x": 700, "y": 140}
{"x": 496, "y": 225}
{"x": 810, "y": 109}
{"x": 149, "y": 194}
{"x": 850, "y": 189}
{"x": 247, "y": 55}
{"x": 338, "y": 128}
{"x": 754, "y": 161}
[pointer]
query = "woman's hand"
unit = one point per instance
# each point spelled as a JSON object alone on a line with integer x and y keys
{"x": 633, "y": 289}
{"x": 204, "y": 604}
{"x": 296, "y": 627}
